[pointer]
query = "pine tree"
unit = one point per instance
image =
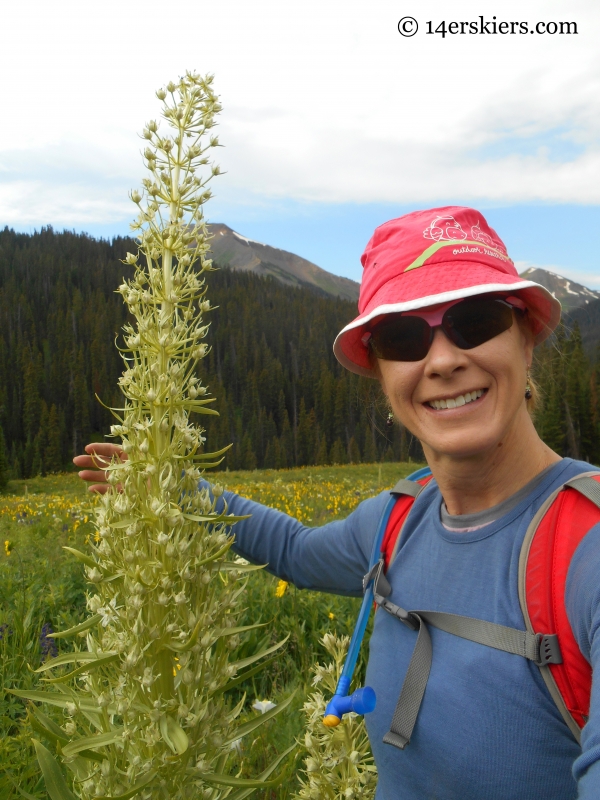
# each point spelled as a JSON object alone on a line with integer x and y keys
{"x": 3, "y": 461}
{"x": 53, "y": 460}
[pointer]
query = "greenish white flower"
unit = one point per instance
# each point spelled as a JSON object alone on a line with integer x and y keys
{"x": 338, "y": 764}
{"x": 162, "y": 600}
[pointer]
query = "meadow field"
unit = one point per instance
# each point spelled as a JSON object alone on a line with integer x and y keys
{"x": 43, "y": 589}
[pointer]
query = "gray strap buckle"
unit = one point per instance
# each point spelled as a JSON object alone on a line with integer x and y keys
{"x": 548, "y": 649}
{"x": 382, "y": 590}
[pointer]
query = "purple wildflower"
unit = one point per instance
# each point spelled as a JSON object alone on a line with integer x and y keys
{"x": 48, "y": 647}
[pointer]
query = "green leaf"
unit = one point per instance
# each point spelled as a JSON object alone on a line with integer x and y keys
{"x": 248, "y": 785}
{"x": 216, "y": 555}
{"x": 181, "y": 647}
{"x": 91, "y": 742}
{"x": 244, "y": 676}
{"x": 46, "y": 726}
{"x": 122, "y": 523}
{"x": 211, "y": 464}
{"x": 100, "y": 662}
{"x": 22, "y": 792}
{"x": 85, "y": 703}
{"x": 83, "y": 626}
{"x": 72, "y": 658}
{"x": 245, "y": 662}
{"x": 55, "y": 783}
{"x": 216, "y": 453}
{"x": 230, "y": 566}
{"x": 134, "y": 789}
{"x": 250, "y": 726}
{"x": 174, "y": 735}
{"x": 87, "y": 560}
{"x": 241, "y": 629}
{"x": 201, "y": 410}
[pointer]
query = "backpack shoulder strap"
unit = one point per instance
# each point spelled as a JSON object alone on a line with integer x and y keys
{"x": 550, "y": 542}
{"x": 407, "y": 492}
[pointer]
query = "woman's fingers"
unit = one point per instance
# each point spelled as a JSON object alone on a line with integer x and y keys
{"x": 98, "y": 455}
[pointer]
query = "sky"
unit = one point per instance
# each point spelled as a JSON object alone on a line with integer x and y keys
{"x": 332, "y": 123}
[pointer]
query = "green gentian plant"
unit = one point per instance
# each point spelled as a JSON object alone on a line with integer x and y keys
{"x": 145, "y": 703}
{"x": 338, "y": 764}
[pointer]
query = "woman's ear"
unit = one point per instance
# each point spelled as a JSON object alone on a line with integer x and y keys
{"x": 527, "y": 336}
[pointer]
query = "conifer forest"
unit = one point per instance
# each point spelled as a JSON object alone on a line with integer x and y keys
{"x": 283, "y": 400}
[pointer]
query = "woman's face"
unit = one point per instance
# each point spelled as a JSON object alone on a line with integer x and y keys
{"x": 493, "y": 373}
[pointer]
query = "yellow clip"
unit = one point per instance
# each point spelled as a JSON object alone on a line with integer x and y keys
{"x": 331, "y": 721}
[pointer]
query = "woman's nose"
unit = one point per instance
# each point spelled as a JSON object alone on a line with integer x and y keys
{"x": 444, "y": 357}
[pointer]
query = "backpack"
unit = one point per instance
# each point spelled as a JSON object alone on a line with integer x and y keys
{"x": 549, "y": 544}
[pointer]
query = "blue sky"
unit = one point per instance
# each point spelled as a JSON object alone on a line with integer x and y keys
{"x": 332, "y": 122}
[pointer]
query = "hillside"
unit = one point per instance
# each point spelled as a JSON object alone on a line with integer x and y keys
{"x": 283, "y": 398}
{"x": 571, "y": 295}
{"x": 231, "y": 249}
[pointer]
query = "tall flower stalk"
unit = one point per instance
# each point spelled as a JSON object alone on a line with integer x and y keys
{"x": 338, "y": 764}
{"x": 145, "y": 704}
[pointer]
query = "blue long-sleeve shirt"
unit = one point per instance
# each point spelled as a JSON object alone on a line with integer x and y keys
{"x": 487, "y": 728}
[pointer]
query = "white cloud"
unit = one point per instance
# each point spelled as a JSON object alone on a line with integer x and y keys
{"x": 326, "y": 102}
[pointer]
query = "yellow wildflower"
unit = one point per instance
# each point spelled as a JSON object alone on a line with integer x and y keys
{"x": 8, "y": 547}
{"x": 331, "y": 615}
{"x": 281, "y": 588}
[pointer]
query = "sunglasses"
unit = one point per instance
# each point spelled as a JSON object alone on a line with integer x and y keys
{"x": 467, "y": 324}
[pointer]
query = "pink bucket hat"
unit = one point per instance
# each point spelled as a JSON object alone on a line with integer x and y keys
{"x": 431, "y": 257}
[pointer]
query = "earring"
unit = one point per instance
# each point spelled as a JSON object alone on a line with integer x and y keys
{"x": 528, "y": 387}
{"x": 390, "y": 420}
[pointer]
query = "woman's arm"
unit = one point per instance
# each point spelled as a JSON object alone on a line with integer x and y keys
{"x": 582, "y": 598}
{"x": 331, "y": 558}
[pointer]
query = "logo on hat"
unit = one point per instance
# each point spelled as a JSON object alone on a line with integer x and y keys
{"x": 484, "y": 238}
{"x": 444, "y": 228}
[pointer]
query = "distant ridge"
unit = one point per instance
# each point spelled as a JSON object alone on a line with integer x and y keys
{"x": 231, "y": 249}
{"x": 571, "y": 295}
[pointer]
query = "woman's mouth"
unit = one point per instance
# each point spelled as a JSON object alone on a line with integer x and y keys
{"x": 457, "y": 401}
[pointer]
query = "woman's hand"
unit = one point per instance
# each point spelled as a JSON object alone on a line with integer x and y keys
{"x": 98, "y": 455}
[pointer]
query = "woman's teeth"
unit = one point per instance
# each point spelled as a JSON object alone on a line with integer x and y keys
{"x": 455, "y": 402}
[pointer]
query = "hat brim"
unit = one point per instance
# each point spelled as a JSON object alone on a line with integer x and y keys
{"x": 544, "y": 309}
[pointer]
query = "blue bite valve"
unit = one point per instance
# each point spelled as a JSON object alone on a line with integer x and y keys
{"x": 362, "y": 701}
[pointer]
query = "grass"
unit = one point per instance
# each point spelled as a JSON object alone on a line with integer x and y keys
{"x": 43, "y": 589}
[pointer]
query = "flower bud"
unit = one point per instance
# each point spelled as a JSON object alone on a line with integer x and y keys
{"x": 136, "y": 197}
{"x": 94, "y": 575}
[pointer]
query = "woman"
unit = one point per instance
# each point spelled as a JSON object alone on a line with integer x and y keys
{"x": 448, "y": 328}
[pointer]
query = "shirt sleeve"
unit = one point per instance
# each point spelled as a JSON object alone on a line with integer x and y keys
{"x": 582, "y": 598}
{"x": 331, "y": 558}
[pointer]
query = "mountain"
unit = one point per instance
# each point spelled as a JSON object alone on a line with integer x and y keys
{"x": 231, "y": 249}
{"x": 570, "y": 294}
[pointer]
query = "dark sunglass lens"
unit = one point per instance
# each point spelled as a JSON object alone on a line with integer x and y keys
{"x": 473, "y": 322}
{"x": 401, "y": 339}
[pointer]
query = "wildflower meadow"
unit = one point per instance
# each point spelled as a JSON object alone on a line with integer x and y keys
{"x": 43, "y": 589}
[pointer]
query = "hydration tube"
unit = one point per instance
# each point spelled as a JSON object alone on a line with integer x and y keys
{"x": 363, "y": 700}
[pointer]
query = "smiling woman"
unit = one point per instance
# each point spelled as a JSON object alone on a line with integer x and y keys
{"x": 448, "y": 328}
